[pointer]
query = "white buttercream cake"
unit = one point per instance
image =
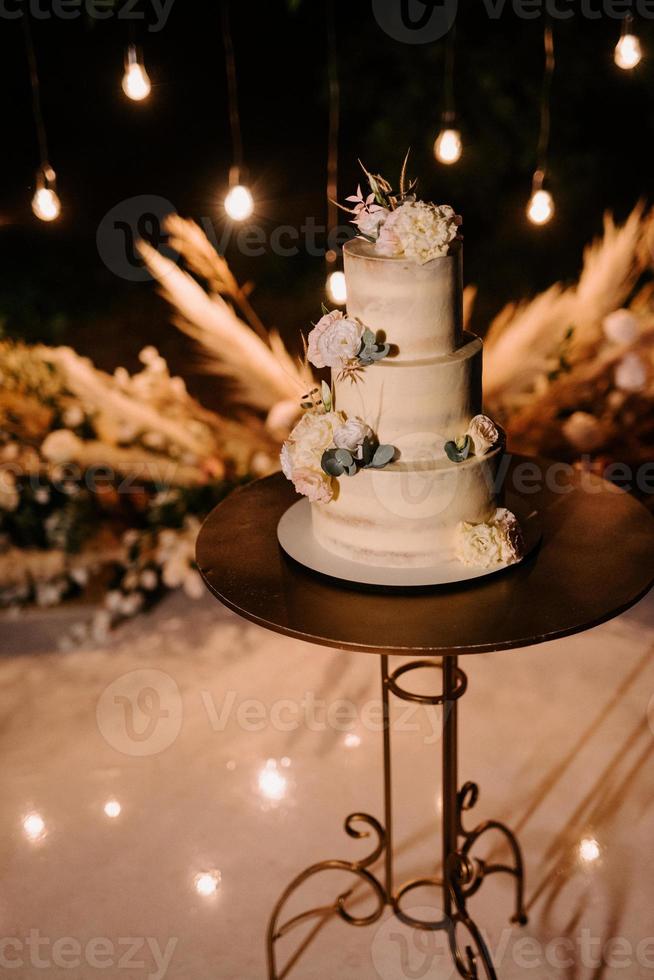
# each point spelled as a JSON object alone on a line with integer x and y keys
{"x": 400, "y": 464}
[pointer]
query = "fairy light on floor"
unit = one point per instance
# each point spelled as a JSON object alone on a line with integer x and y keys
{"x": 271, "y": 782}
{"x": 207, "y": 883}
{"x": 112, "y": 809}
{"x": 34, "y": 827}
{"x": 136, "y": 81}
{"x": 352, "y": 740}
{"x": 628, "y": 51}
{"x": 589, "y": 850}
{"x": 540, "y": 208}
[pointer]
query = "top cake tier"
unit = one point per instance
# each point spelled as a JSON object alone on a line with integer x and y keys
{"x": 418, "y": 308}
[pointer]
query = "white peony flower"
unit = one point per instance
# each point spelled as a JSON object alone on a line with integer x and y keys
{"x": 314, "y": 484}
{"x": 483, "y": 433}
{"x": 315, "y": 430}
{"x": 631, "y": 373}
{"x": 9, "y": 494}
{"x": 497, "y": 542}
{"x": 335, "y": 340}
{"x": 583, "y": 431}
{"x": 418, "y": 230}
{"x": 479, "y": 544}
{"x": 621, "y": 327}
{"x": 350, "y": 434}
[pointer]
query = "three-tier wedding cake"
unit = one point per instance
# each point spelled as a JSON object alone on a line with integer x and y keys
{"x": 400, "y": 464}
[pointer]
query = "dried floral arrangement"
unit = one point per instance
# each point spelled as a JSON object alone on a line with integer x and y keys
{"x": 570, "y": 374}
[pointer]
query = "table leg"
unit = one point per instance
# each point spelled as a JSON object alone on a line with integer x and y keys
{"x": 463, "y": 874}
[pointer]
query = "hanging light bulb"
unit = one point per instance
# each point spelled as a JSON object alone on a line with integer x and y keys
{"x": 628, "y": 52}
{"x": 540, "y": 209}
{"x": 448, "y": 147}
{"x": 239, "y": 203}
{"x": 136, "y": 81}
{"x": 336, "y": 287}
{"x": 45, "y": 203}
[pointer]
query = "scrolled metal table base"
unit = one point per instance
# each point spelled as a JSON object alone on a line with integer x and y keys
{"x": 463, "y": 873}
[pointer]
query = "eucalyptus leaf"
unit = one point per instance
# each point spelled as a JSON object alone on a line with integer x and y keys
{"x": 458, "y": 450}
{"x": 344, "y": 457}
{"x": 368, "y": 447}
{"x": 383, "y": 455}
{"x": 351, "y": 470}
{"x": 330, "y": 464}
{"x": 368, "y": 339}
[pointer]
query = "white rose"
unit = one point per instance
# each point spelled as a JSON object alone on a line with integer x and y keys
{"x": 483, "y": 433}
{"x": 350, "y": 434}
{"x": 621, "y": 327}
{"x": 61, "y": 446}
{"x": 314, "y": 484}
{"x": 479, "y": 544}
{"x": 423, "y": 231}
{"x": 334, "y": 340}
{"x": 583, "y": 431}
{"x": 631, "y": 373}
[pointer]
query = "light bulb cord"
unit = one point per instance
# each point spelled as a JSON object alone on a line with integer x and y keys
{"x": 449, "y": 110}
{"x": 545, "y": 109}
{"x": 334, "y": 117}
{"x": 232, "y": 95}
{"x": 37, "y": 111}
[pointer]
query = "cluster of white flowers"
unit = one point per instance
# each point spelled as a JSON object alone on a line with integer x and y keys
{"x": 418, "y": 230}
{"x": 335, "y": 340}
{"x": 315, "y": 433}
{"x": 497, "y": 542}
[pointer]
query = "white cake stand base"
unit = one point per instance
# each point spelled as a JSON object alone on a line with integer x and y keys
{"x": 295, "y": 535}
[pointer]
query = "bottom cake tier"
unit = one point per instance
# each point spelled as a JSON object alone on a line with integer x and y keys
{"x": 407, "y": 514}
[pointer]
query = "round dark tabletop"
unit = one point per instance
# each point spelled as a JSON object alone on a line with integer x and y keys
{"x": 595, "y": 560}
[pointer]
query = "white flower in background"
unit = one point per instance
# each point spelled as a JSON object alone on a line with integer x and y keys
{"x": 583, "y": 431}
{"x": 497, "y": 542}
{"x": 282, "y": 416}
{"x": 314, "y": 484}
{"x": 9, "y": 494}
{"x": 419, "y": 231}
{"x": 73, "y": 416}
{"x": 335, "y": 340}
{"x": 621, "y": 327}
{"x": 484, "y": 434}
{"x": 351, "y": 433}
{"x": 631, "y": 373}
{"x": 61, "y": 446}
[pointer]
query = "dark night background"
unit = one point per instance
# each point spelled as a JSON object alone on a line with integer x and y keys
{"x": 53, "y": 284}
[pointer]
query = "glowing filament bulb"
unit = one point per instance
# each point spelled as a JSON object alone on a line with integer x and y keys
{"x": 628, "y": 52}
{"x": 207, "y": 883}
{"x": 34, "y": 827}
{"x": 112, "y": 809}
{"x": 45, "y": 203}
{"x": 272, "y": 785}
{"x": 336, "y": 288}
{"x": 589, "y": 850}
{"x": 136, "y": 82}
{"x": 541, "y": 207}
{"x": 448, "y": 148}
{"x": 239, "y": 203}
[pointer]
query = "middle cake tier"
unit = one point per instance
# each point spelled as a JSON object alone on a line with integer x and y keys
{"x": 417, "y": 406}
